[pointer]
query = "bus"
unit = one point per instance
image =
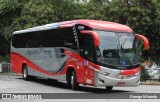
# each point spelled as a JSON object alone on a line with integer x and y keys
{"x": 87, "y": 52}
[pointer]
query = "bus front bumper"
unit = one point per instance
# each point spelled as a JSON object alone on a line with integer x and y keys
{"x": 104, "y": 80}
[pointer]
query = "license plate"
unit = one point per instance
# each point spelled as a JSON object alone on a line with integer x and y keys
{"x": 121, "y": 84}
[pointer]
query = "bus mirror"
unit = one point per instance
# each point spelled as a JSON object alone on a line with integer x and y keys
{"x": 145, "y": 40}
{"x": 93, "y": 34}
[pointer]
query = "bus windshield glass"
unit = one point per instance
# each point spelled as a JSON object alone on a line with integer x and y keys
{"x": 117, "y": 49}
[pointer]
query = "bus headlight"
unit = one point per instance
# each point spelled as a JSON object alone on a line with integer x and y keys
{"x": 136, "y": 74}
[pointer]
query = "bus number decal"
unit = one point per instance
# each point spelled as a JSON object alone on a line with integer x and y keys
{"x": 80, "y": 27}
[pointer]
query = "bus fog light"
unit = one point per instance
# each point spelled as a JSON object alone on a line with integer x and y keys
{"x": 102, "y": 81}
{"x": 137, "y": 81}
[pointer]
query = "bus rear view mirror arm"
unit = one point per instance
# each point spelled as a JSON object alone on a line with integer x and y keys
{"x": 145, "y": 40}
{"x": 93, "y": 34}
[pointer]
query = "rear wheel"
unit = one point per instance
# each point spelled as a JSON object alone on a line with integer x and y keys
{"x": 72, "y": 80}
{"x": 25, "y": 73}
{"x": 109, "y": 88}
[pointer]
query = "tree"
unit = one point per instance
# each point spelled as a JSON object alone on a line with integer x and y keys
{"x": 144, "y": 73}
{"x": 9, "y": 9}
{"x": 141, "y": 15}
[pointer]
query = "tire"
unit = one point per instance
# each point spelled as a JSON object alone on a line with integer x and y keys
{"x": 72, "y": 80}
{"x": 109, "y": 88}
{"x": 25, "y": 73}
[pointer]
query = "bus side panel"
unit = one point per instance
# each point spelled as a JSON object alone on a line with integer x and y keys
{"x": 84, "y": 74}
{"x": 40, "y": 63}
{"x": 16, "y": 63}
{"x": 74, "y": 61}
{"x": 17, "y": 60}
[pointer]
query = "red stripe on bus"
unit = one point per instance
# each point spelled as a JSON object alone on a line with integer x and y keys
{"x": 130, "y": 72}
{"x": 29, "y": 63}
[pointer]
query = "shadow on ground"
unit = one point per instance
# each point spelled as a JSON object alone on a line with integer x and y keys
{"x": 63, "y": 85}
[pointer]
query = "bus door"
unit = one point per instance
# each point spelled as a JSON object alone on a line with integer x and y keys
{"x": 89, "y": 53}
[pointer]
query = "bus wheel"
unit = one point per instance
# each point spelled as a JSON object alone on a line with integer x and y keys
{"x": 71, "y": 80}
{"x": 25, "y": 73}
{"x": 109, "y": 88}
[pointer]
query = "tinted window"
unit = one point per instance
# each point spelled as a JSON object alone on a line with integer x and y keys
{"x": 24, "y": 40}
{"x": 89, "y": 48}
{"x": 48, "y": 38}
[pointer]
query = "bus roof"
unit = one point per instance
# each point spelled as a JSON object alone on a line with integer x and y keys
{"x": 94, "y": 24}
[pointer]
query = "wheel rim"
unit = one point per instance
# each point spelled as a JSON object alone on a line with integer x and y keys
{"x": 24, "y": 73}
{"x": 72, "y": 80}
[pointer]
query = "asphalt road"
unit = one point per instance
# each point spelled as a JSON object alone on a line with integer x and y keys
{"x": 18, "y": 85}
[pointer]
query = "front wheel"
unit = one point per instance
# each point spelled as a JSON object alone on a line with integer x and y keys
{"x": 72, "y": 80}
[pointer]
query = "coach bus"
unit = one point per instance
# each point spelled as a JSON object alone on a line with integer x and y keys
{"x": 88, "y": 52}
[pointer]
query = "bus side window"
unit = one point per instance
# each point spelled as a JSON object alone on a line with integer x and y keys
{"x": 89, "y": 48}
{"x": 82, "y": 51}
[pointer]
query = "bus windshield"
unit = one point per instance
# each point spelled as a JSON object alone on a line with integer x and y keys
{"x": 117, "y": 49}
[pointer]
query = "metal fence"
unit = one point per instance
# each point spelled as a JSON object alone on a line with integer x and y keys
{"x": 152, "y": 80}
{"x": 5, "y": 71}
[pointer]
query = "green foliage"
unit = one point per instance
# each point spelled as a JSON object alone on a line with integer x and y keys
{"x": 4, "y": 59}
{"x": 144, "y": 73}
{"x": 141, "y": 15}
{"x": 34, "y": 13}
{"x": 9, "y": 9}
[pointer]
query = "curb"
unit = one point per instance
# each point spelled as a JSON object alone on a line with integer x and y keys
{"x": 149, "y": 83}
